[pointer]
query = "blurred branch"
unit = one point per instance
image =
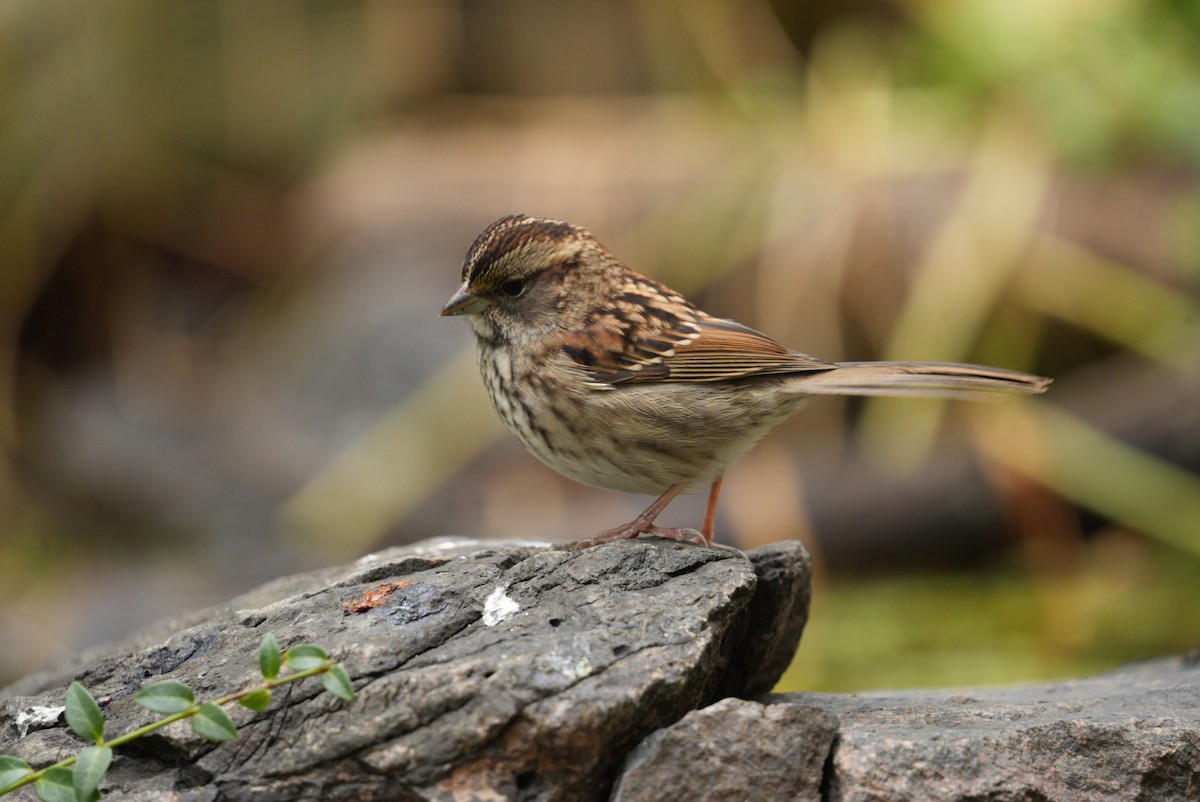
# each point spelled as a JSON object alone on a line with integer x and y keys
{"x": 1095, "y": 469}
{"x": 1066, "y": 281}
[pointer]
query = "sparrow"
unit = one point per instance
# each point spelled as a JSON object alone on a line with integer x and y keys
{"x": 617, "y": 381}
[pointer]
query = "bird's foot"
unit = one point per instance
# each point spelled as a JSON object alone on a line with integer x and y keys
{"x": 631, "y": 530}
{"x": 689, "y": 536}
{"x": 626, "y": 532}
{"x": 678, "y": 533}
{"x": 635, "y": 528}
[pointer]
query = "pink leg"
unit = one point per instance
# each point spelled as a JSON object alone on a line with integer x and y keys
{"x": 640, "y": 524}
{"x": 705, "y": 536}
{"x": 710, "y": 516}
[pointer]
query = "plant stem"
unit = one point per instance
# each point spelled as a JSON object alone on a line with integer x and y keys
{"x": 171, "y": 719}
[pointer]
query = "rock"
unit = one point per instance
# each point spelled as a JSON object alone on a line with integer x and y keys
{"x": 519, "y": 671}
{"x": 777, "y": 616}
{"x": 1129, "y": 736}
{"x": 1133, "y": 734}
{"x": 483, "y": 671}
{"x": 720, "y": 753}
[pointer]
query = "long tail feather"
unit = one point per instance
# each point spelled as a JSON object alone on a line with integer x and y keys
{"x": 928, "y": 379}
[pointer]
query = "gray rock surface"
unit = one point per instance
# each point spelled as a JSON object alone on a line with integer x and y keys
{"x": 511, "y": 671}
{"x": 1129, "y": 736}
{"x": 777, "y": 616}
{"x": 731, "y": 751}
{"x": 483, "y": 671}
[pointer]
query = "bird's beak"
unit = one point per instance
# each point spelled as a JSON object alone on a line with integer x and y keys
{"x": 463, "y": 302}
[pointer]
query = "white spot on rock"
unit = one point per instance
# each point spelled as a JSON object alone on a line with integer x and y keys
{"x": 498, "y": 607}
{"x": 570, "y": 666}
{"x": 36, "y": 717}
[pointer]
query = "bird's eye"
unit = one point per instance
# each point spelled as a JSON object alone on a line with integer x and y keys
{"x": 513, "y": 287}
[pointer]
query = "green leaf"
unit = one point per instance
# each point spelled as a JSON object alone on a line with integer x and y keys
{"x": 168, "y": 696}
{"x": 56, "y": 785}
{"x": 213, "y": 723}
{"x": 83, "y": 714}
{"x": 337, "y": 682}
{"x": 269, "y": 658}
{"x": 90, "y": 768}
{"x": 305, "y": 656}
{"x": 259, "y": 700}
{"x": 12, "y": 770}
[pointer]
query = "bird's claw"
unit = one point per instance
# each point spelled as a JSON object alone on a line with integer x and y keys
{"x": 630, "y": 531}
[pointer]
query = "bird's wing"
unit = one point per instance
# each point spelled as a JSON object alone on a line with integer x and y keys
{"x": 679, "y": 345}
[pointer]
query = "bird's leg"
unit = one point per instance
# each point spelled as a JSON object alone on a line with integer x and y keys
{"x": 710, "y": 516}
{"x": 640, "y": 524}
{"x": 705, "y": 535}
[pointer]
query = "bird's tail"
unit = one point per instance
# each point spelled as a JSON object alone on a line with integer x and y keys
{"x": 928, "y": 379}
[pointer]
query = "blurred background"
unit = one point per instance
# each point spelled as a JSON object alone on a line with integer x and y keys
{"x": 226, "y": 229}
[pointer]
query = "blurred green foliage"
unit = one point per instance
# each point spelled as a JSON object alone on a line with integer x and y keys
{"x": 1124, "y": 602}
{"x": 1106, "y": 82}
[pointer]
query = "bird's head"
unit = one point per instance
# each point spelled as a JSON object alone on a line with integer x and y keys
{"x": 517, "y": 276}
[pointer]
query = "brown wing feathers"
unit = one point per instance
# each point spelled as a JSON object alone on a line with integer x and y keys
{"x": 705, "y": 349}
{"x": 728, "y": 350}
{"x": 687, "y": 348}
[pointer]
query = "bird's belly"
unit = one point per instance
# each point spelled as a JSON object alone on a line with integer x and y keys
{"x": 644, "y": 438}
